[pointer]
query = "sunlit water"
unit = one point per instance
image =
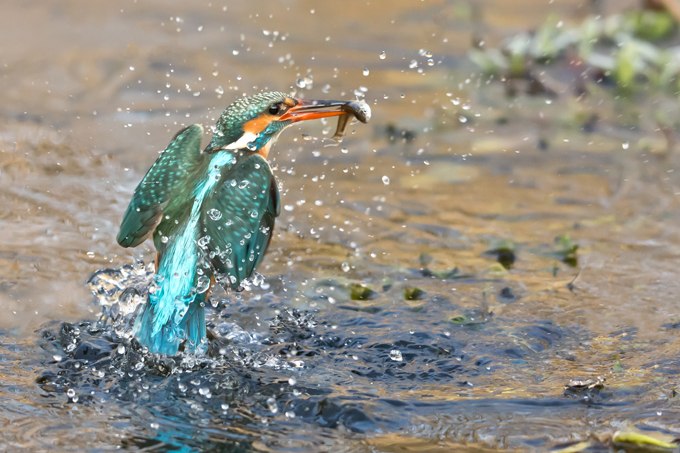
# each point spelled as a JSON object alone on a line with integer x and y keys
{"x": 449, "y": 350}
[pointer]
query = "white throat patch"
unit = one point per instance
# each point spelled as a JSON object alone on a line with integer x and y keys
{"x": 242, "y": 142}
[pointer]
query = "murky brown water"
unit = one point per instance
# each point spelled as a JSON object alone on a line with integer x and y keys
{"x": 92, "y": 92}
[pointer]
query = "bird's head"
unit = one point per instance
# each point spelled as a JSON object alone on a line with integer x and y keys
{"x": 254, "y": 123}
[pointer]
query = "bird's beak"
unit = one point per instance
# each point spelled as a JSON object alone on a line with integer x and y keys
{"x": 311, "y": 110}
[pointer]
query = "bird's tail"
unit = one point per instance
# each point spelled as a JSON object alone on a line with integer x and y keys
{"x": 163, "y": 328}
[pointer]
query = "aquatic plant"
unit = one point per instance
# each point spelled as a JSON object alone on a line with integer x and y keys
{"x": 625, "y": 49}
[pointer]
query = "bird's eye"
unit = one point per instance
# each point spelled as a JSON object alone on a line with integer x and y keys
{"x": 277, "y": 109}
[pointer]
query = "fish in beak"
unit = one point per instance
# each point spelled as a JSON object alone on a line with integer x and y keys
{"x": 311, "y": 110}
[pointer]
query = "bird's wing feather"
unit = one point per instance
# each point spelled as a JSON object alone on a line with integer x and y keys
{"x": 238, "y": 219}
{"x": 169, "y": 174}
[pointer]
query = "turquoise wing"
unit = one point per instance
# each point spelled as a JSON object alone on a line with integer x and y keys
{"x": 237, "y": 219}
{"x": 167, "y": 177}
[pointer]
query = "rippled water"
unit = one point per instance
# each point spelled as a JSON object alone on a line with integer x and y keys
{"x": 442, "y": 347}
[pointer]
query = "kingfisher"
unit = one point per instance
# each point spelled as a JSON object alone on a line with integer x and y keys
{"x": 211, "y": 212}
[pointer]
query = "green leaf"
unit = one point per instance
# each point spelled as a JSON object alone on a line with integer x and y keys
{"x": 357, "y": 291}
{"x": 640, "y": 440}
{"x": 566, "y": 249}
{"x": 413, "y": 293}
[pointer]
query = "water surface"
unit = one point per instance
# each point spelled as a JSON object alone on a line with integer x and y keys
{"x": 479, "y": 359}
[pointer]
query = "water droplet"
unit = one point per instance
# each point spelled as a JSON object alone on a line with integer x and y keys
{"x": 202, "y": 284}
{"x": 345, "y": 266}
{"x": 625, "y": 145}
{"x": 413, "y": 64}
{"x": 70, "y": 393}
{"x": 203, "y": 242}
{"x": 395, "y": 355}
{"x": 386, "y": 179}
{"x": 215, "y": 214}
{"x": 366, "y": 72}
{"x": 120, "y": 349}
{"x": 254, "y": 213}
{"x": 271, "y": 404}
{"x": 243, "y": 184}
{"x": 382, "y": 55}
{"x": 57, "y": 358}
{"x": 164, "y": 239}
{"x": 154, "y": 425}
{"x": 205, "y": 391}
{"x": 304, "y": 82}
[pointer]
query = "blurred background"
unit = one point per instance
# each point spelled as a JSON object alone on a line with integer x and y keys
{"x": 514, "y": 199}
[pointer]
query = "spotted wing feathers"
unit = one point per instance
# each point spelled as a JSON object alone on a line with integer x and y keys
{"x": 166, "y": 177}
{"x": 238, "y": 219}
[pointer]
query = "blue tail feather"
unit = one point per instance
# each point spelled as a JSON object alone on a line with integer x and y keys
{"x": 167, "y": 338}
{"x": 194, "y": 325}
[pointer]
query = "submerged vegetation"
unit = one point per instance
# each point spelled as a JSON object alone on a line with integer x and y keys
{"x": 630, "y": 51}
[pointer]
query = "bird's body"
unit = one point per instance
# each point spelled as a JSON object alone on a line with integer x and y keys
{"x": 211, "y": 213}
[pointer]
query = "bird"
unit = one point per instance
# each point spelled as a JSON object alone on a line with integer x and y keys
{"x": 211, "y": 212}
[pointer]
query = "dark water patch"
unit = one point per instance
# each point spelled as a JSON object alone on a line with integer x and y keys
{"x": 668, "y": 366}
{"x": 628, "y": 333}
{"x": 342, "y": 365}
{"x": 507, "y": 294}
{"x": 440, "y": 231}
{"x": 304, "y": 368}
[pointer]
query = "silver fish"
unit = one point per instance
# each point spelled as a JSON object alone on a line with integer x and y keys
{"x": 357, "y": 109}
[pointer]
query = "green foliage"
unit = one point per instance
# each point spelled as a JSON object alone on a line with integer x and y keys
{"x": 633, "y": 438}
{"x": 357, "y": 291}
{"x": 651, "y": 25}
{"x": 413, "y": 293}
{"x": 504, "y": 250}
{"x": 459, "y": 319}
{"x": 621, "y": 47}
{"x": 565, "y": 249}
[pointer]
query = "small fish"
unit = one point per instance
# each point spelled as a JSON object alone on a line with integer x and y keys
{"x": 358, "y": 109}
